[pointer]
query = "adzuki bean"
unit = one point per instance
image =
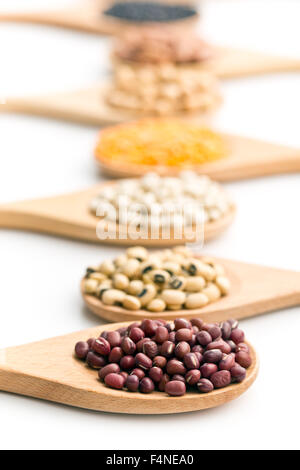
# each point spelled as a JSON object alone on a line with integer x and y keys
{"x": 95, "y": 361}
{"x": 138, "y": 372}
{"x": 81, "y": 349}
{"x": 109, "y": 369}
{"x": 205, "y": 386}
{"x": 146, "y": 385}
{"x": 101, "y": 346}
{"x": 115, "y": 354}
{"x": 193, "y": 376}
{"x": 114, "y": 381}
{"x": 169, "y": 357}
{"x": 114, "y": 338}
{"x": 175, "y": 388}
{"x": 132, "y": 383}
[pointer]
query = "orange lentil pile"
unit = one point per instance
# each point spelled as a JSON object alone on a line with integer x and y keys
{"x": 163, "y": 142}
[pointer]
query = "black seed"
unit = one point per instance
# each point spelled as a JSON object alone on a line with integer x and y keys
{"x": 147, "y": 269}
{"x": 101, "y": 292}
{"x": 192, "y": 270}
{"x": 89, "y": 271}
{"x": 159, "y": 278}
{"x": 142, "y": 293}
{"x": 176, "y": 283}
{"x": 169, "y": 271}
{"x": 139, "y": 11}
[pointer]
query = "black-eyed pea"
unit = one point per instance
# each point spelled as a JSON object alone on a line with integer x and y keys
{"x": 194, "y": 283}
{"x": 107, "y": 267}
{"x": 120, "y": 281}
{"x": 147, "y": 294}
{"x": 220, "y": 270}
{"x": 172, "y": 268}
{"x": 205, "y": 270}
{"x": 197, "y": 300}
{"x": 113, "y": 296}
{"x": 131, "y": 303}
{"x": 151, "y": 263}
{"x": 104, "y": 285}
{"x": 135, "y": 287}
{"x": 90, "y": 286}
{"x": 138, "y": 252}
{"x": 156, "y": 305}
{"x": 158, "y": 276}
{"x": 173, "y": 297}
{"x": 166, "y": 255}
{"x": 121, "y": 261}
{"x": 223, "y": 284}
{"x": 131, "y": 268}
{"x": 182, "y": 250}
{"x": 90, "y": 270}
{"x": 212, "y": 292}
{"x": 98, "y": 276}
{"x": 175, "y": 307}
{"x": 178, "y": 282}
{"x": 146, "y": 279}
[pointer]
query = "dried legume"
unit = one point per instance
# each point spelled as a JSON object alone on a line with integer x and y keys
{"x": 152, "y": 287}
{"x": 145, "y": 11}
{"x": 155, "y": 354}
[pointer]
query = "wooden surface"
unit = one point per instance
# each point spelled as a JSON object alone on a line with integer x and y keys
{"x": 87, "y": 106}
{"x": 246, "y": 158}
{"x": 235, "y": 63}
{"x": 86, "y": 16}
{"x": 69, "y": 216}
{"x": 254, "y": 290}
{"x": 49, "y": 370}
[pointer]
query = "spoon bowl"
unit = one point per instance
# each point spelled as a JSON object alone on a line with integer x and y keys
{"x": 48, "y": 370}
{"x": 70, "y": 216}
{"x": 254, "y": 290}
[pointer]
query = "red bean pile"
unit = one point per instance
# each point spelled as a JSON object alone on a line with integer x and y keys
{"x": 169, "y": 357}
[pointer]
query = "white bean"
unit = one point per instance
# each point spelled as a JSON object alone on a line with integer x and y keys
{"x": 138, "y": 252}
{"x": 156, "y": 305}
{"x": 223, "y": 284}
{"x": 90, "y": 286}
{"x": 135, "y": 287}
{"x": 107, "y": 267}
{"x": 98, "y": 276}
{"x": 196, "y": 300}
{"x": 131, "y": 268}
{"x": 194, "y": 283}
{"x": 147, "y": 294}
{"x": 131, "y": 303}
{"x": 120, "y": 281}
{"x": 212, "y": 292}
{"x": 112, "y": 296}
{"x": 173, "y": 297}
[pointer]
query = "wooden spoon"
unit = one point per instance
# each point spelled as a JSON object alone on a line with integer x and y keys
{"x": 49, "y": 370}
{"x": 88, "y": 17}
{"x": 254, "y": 290}
{"x": 69, "y": 216}
{"x": 247, "y": 158}
{"x": 86, "y": 106}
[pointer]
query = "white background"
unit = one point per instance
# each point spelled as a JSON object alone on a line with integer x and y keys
{"x": 39, "y": 275}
